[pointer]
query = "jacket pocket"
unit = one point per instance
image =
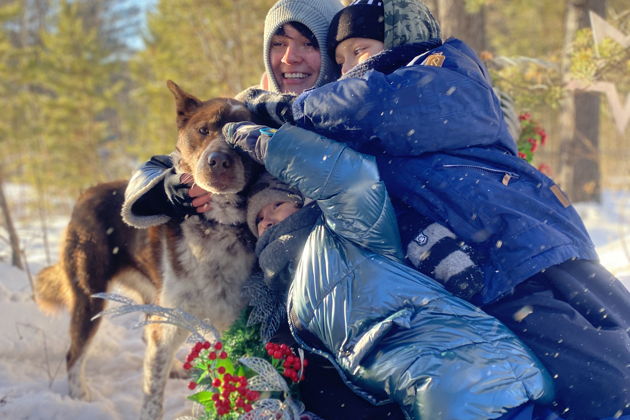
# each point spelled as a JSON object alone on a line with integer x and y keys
{"x": 352, "y": 356}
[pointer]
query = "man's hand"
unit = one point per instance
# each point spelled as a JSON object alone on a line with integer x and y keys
{"x": 250, "y": 138}
{"x": 201, "y": 199}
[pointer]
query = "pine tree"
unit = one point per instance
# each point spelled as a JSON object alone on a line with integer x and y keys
{"x": 75, "y": 72}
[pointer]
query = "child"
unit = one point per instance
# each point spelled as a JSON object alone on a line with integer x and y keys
{"x": 427, "y": 111}
{"x": 392, "y": 333}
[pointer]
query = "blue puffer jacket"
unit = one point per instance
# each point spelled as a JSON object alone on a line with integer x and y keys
{"x": 443, "y": 149}
{"x": 393, "y": 333}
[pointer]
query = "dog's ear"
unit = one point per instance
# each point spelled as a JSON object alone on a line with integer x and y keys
{"x": 185, "y": 103}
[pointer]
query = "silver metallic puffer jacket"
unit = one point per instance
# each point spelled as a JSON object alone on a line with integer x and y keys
{"x": 393, "y": 333}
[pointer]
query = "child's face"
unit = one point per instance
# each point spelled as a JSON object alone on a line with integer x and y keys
{"x": 274, "y": 213}
{"x": 353, "y": 51}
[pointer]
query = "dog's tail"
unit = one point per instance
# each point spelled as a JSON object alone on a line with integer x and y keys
{"x": 52, "y": 289}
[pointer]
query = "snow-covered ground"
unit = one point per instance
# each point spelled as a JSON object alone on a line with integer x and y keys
{"x": 33, "y": 382}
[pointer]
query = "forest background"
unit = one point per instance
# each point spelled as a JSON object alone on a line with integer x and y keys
{"x": 83, "y": 97}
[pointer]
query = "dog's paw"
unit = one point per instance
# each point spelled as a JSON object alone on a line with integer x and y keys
{"x": 77, "y": 388}
{"x": 82, "y": 393}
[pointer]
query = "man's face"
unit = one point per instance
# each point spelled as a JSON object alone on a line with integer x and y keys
{"x": 353, "y": 51}
{"x": 274, "y": 213}
{"x": 295, "y": 61}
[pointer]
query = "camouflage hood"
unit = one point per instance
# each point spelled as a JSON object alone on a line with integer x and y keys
{"x": 408, "y": 21}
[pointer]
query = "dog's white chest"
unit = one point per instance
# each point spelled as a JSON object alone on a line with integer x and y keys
{"x": 204, "y": 272}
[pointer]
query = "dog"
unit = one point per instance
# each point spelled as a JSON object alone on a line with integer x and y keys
{"x": 198, "y": 265}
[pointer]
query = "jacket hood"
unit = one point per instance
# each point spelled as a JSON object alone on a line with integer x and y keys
{"x": 407, "y": 22}
{"x": 316, "y": 16}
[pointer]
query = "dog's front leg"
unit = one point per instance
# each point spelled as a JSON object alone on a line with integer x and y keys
{"x": 163, "y": 341}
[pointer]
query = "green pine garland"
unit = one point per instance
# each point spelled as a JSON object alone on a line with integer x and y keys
{"x": 242, "y": 340}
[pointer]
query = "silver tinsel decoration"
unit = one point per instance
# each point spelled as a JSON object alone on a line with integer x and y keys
{"x": 200, "y": 331}
{"x": 267, "y": 380}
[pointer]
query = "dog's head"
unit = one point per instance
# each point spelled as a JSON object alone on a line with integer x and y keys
{"x": 201, "y": 148}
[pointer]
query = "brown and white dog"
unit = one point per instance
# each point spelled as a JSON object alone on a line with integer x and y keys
{"x": 198, "y": 266}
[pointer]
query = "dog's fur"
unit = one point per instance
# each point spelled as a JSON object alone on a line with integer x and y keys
{"x": 198, "y": 265}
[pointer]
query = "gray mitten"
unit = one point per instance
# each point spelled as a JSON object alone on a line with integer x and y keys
{"x": 250, "y": 138}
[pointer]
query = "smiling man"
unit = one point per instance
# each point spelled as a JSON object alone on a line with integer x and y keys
{"x": 295, "y": 58}
{"x": 295, "y": 30}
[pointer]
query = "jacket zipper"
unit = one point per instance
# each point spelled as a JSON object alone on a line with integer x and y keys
{"x": 507, "y": 175}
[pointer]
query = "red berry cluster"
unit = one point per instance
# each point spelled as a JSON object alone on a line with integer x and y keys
{"x": 212, "y": 355}
{"x": 292, "y": 368}
{"x": 229, "y": 392}
{"x": 531, "y": 137}
{"x": 232, "y": 395}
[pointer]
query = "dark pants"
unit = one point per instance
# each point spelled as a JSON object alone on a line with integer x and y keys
{"x": 326, "y": 395}
{"x": 576, "y": 318}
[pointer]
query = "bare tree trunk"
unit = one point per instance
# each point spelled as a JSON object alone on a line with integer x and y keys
{"x": 579, "y": 118}
{"x": 43, "y": 206}
{"x": 566, "y": 116}
{"x": 457, "y": 22}
{"x": 16, "y": 257}
{"x": 43, "y": 221}
{"x": 586, "y": 182}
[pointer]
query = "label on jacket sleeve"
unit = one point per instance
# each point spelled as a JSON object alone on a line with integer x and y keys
{"x": 560, "y": 195}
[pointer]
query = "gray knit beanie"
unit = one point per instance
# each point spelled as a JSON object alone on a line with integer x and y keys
{"x": 316, "y": 16}
{"x": 266, "y": 190}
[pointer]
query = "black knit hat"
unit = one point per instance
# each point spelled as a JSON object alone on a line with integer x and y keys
{"x": 360, "y": 19}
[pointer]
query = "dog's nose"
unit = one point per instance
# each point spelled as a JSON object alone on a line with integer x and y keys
{"x": 219, "y": 160}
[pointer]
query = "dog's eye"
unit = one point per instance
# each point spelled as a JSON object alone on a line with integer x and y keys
{"x": 204, "y": 131}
